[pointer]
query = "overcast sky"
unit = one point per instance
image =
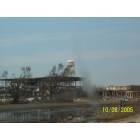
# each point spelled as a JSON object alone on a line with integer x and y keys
{"x": 106, "y": 50}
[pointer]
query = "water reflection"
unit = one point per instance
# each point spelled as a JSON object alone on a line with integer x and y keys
{"x": 52, "y": 115}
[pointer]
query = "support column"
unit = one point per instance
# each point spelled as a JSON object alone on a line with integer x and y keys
{"x": 132, "y": 95}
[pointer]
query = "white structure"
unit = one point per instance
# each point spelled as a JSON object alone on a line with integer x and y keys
{"x": 70, "y": 67}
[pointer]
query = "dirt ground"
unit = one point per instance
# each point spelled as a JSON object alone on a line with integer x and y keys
{"x": 130, "y": 119}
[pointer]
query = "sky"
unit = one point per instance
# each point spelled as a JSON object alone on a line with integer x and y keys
{"x": 106, "y": 50}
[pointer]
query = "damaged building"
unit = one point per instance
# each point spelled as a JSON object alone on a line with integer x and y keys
{"x": 129, "y": 92}
{"x": 60, "y": 85}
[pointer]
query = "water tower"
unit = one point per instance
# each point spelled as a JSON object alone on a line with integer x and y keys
{"x": 71, "y": 67}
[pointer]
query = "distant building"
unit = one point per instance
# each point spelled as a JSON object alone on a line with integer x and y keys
{"x": 130, "y": 91}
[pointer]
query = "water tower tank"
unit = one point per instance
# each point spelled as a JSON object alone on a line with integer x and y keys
{"x": 71, "y": 62}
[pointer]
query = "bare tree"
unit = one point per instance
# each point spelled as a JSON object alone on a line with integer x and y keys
{"x": 66, "y": 71}
{"x": 26, "y": 72}
{"x": 53, "y": 71}
{"x": 60, "y": 68}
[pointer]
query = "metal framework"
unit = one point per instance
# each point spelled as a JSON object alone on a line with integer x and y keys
{"x": 130, "y": 91}
{"x": 52, "y": 88}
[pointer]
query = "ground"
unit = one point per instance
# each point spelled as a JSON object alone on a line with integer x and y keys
{"x": 130, "y": 119}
